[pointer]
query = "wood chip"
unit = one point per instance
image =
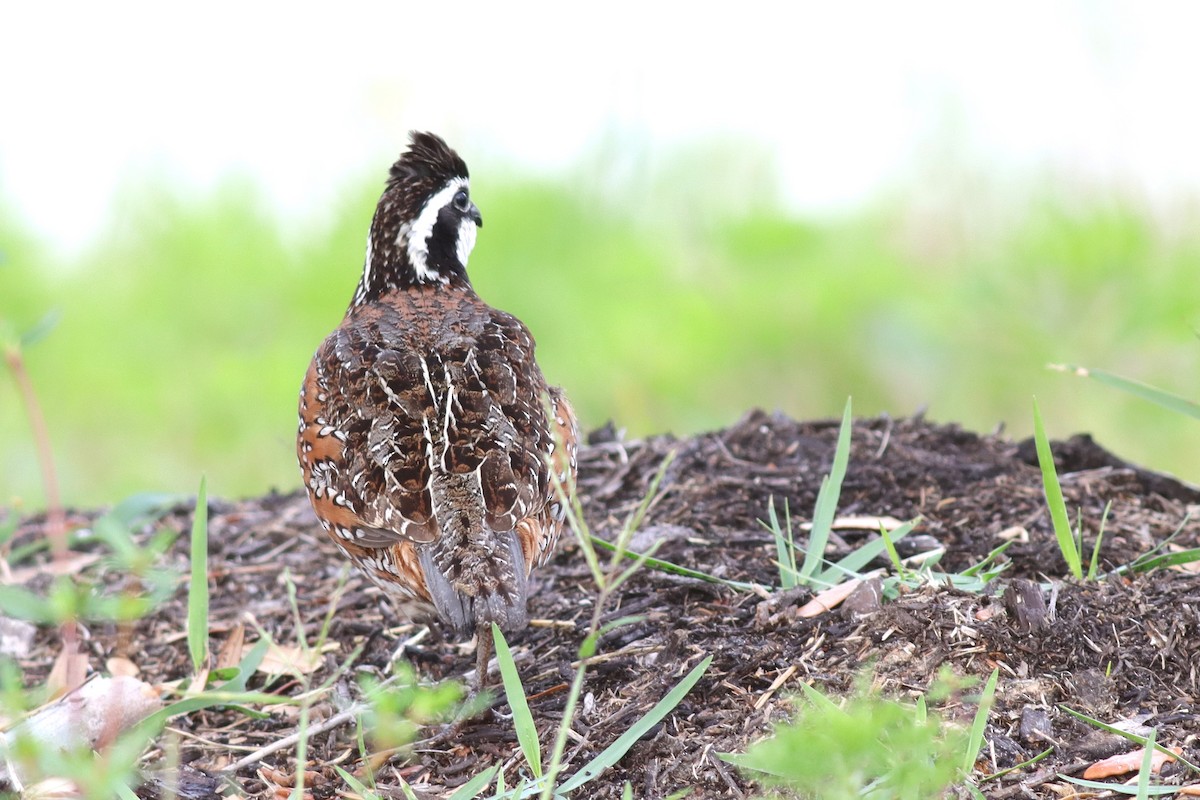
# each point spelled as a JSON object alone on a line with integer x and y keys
{"x": 774, "y": 687}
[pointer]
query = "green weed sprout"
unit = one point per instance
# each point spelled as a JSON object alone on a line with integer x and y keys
{"x": 869, "y": 746}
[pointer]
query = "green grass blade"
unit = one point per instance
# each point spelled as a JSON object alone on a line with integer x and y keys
{"x": 981, "y": 567}
{"x": 1018, "y": 767}
{"x": 819, "y": 698}
{"x": 355, "y": 784}
{"x": 639, "y": 561}
{"x": 674, "y": 569}
{"x": 527, "y": 735}
{"x": 1054, "y": 497}
{"x": 785, "y": 544}
{"x": 125, "y": 793}
{"x": 1137, "y": 388}
{"x": 1119, "y": 788}
{"x": 1094, "y": 564}
{"x": 197, "y": 621}
{"x": 476, "y": 785}
{"x": 1143, "y": 784}
{"x": 853, "y": 562}
{"x": 1159, "y": 550}
{"x": 613, "y": 753}
{"x": 145, "y": 506}
{"x": 892, "y": 553}
{"x": 575, "y": 521}
{"x": 635, "y": 520}
{"x": 1166, "y": 560}
{"x": 247, "y": 667}
{"x": 827, "y": 500}
{"x": 8, "y": 528}
{"x": 979, "y": 723}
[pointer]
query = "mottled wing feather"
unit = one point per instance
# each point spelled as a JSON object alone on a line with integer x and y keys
{"x": 388, "y": 406}
{"x": 355, "y": 434}
{"x": 539, "y": 532}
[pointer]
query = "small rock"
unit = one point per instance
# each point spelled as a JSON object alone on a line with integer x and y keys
{"x": 16, "y": 637}
{"x": 1034, "y": 727}
{"x": 1093, "y": 690}
{"x": 865, "y": 600}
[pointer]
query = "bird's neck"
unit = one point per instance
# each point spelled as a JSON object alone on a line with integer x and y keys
{"x": 395, "y": 262}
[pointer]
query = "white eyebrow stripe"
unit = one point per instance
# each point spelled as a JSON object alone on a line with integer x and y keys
{"x": 422, "y": 228}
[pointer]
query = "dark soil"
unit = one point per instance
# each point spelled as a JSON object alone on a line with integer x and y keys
{"x": 1123, "y": 648}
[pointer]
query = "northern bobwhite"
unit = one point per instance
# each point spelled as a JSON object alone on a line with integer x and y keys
{"x": 428, "y": 435}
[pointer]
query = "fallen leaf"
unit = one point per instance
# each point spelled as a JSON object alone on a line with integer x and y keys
{"x": 1016, "y": 533}
{"x": 119, "y": 665}
{"x": 284, "y": 711}
{"x": 70, "y": 565}
{"x": 984, "y": 613}
{"x": 1190, "y": 567}
{"x": 829, "y": 599}
{"x": 280, "y": 783}
{"x": 92, "y": 716}
{"x": 66, "y": 665}
{"x": 860, "y": 523}
{"x": 231, "y": 651}
{"x": 1125, "y": 763}
{"x": 52, "y": 789}
{"x": 291, "y": 659}
{"x": 198, "y": 682}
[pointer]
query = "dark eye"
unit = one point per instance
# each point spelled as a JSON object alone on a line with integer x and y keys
{"x": 461, "y": 201}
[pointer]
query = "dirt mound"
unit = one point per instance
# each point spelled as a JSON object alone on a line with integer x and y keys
{"x": 1119, "y": 648}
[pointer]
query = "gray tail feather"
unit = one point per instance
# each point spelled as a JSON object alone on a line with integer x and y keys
{"x": 495, "y": 600}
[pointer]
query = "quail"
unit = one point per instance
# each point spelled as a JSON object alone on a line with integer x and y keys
{"x": 429, "y": 441}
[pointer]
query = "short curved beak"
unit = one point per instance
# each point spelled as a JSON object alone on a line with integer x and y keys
{"x": 474, "y": 214}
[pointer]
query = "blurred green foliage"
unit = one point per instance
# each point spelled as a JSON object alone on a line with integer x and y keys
{"x": 184, "y": 334}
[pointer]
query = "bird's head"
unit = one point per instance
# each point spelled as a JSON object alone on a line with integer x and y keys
{"x": 425, "y": 223}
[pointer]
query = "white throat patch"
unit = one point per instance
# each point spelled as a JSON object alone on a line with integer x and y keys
{"x": 415, "y": 237}
{"x": 466, "y": 239}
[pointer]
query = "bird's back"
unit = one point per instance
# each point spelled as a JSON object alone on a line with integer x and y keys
{"x": 435, "y": 428}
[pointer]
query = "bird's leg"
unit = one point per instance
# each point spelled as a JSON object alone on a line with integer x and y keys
{"x": 483, "y": 653}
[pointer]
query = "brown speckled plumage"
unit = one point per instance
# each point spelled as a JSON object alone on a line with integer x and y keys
{"x": 428, "y": 434}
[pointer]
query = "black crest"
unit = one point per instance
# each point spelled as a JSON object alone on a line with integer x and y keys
{"x": 427, "y": 165}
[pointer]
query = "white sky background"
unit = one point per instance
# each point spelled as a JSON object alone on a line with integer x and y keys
{"x": 93, "y": 95}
